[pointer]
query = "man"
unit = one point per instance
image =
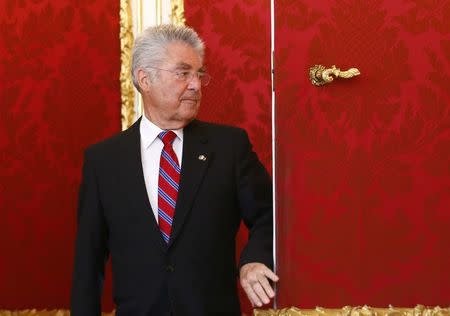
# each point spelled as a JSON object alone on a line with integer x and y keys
{"x": 165, "y": 199}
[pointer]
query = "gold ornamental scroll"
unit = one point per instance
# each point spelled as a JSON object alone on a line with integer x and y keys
{"x": 177, "y": 12}
{"x": 419, "y": 310}
{"x": 128, "y": 112}
{"x": 126, "y": 83}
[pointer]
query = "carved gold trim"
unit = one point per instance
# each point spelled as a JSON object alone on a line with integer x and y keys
{"x": 159, "y": 12}
{"x": 419, "y": 310}
{"x": 139, "y": 16}
{"x": 177, "y": 12}
{"x": 128, "y": 113}
{"x": 126, "y": 45}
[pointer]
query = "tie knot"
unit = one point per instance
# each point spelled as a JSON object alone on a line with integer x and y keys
{"x": 167, "y": 137}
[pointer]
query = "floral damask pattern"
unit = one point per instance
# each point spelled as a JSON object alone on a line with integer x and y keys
{"x": 362, "y": 165}
{"x": 239, "y": 63}
{"x": 237, "y": 37}
{"x": 59, "y": 89}
{"x": 426, "y": 15}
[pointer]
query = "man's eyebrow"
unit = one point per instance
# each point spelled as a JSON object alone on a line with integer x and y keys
{"x": 183, "y": 66}
{"x": 188, "y": 66}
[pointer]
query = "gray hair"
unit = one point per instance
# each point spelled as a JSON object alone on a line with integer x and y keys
{"x": 150, "y": 46}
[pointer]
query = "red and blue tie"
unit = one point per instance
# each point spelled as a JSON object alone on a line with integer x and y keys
{"x": 169, "y": 178}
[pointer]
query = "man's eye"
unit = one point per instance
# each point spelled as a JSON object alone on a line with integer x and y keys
{"x": 184, "y": 74}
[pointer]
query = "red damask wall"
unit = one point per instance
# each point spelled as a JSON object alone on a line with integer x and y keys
{"x": 363, "y": 165}
{"x": 237, "y": 36}
{"x": 59, "y": 92}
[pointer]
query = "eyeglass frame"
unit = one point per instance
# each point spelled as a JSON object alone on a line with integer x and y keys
{"x": 187, "y": 76}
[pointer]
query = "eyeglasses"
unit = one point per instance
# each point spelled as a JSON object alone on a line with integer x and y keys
{"x": 187, "y": 76}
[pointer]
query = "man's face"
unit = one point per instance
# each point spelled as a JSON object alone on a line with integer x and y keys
{"x": 171, "y": 102}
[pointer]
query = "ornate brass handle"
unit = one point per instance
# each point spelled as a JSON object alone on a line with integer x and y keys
{"x": 319, "y": 75}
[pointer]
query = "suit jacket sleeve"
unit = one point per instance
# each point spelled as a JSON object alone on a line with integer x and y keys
{"x": 255, "y": 201}
{"x": 91, "y": 246}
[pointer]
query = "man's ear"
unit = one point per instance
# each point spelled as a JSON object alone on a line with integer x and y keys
{"x": 143, "y": 79}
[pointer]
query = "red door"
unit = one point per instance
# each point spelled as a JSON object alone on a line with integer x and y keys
{"x": 363, "y": 164}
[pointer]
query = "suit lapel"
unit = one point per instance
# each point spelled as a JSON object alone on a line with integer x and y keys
{"x": 196, "y": 157}
{"x": 133, "y": 177}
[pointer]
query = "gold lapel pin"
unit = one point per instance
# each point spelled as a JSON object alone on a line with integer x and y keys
{"x": 202, "y": 157}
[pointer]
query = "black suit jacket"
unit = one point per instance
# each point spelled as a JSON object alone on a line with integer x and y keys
{"x": 196, "y": 272}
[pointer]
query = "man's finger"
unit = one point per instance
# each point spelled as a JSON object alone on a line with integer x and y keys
{"x": 266, "y": 286}
{"x": 254, "y": 299}
{"x": 269, "y": 273}
{"x": 261, "y": 293}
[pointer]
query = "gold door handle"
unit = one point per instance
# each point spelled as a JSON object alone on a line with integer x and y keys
{"x": 319, "y": 75}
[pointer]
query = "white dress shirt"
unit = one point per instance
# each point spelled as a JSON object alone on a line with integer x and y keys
{"x": 151, "y": 147}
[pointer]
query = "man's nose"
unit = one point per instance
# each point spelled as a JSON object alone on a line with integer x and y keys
{"x": 195, "y": 83}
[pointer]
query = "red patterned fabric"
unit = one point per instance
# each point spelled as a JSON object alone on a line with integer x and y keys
{"x": 363, "y": 170}
{"x": 59, "y": 92}
{"x": 237, "y": 36}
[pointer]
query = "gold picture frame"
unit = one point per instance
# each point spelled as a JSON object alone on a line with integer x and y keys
{"x": 126, "y": 44}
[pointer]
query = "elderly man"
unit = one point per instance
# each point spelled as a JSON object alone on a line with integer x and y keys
{"x": 165, "y": 199}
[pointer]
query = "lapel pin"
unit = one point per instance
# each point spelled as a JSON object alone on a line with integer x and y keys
{"x": 202, "y": 157}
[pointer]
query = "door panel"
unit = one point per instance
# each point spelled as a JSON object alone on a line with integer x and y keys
{"x": 363, "y": 164}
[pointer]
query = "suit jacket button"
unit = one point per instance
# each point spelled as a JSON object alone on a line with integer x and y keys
{"x": 169, "y": 268}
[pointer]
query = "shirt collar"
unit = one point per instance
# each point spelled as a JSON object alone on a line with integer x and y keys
{"x": 150, "y": 131}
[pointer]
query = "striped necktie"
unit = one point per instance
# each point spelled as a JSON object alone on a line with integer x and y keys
{"x": 169, "y": 178}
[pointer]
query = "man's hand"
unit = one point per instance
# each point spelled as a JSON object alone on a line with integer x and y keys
{"x": 254, "y": 280}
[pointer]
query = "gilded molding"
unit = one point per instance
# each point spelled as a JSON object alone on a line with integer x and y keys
{"x": 177, "y": 12}
{"x": 126, "y": 45}
{"x": 419, "y": 310}
{"x": 159, "y": 12}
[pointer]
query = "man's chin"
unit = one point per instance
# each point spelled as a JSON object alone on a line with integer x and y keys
{"x": 189, "y": 113}
{"x": 184, "y": 120}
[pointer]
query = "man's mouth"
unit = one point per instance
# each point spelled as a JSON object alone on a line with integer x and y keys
{"x": 190, "y": 99}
